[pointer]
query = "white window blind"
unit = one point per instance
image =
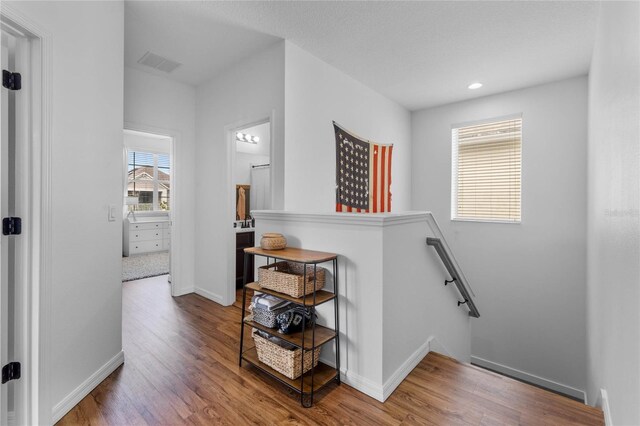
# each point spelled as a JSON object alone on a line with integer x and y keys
{"x": 487, "y": 165}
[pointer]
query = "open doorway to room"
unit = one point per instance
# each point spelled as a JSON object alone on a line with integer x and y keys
{"x": 251, "y": 189}
{"x": 148, "y": 194}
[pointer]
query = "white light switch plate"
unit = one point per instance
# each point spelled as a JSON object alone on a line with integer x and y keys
{"x": 112, "y": 213}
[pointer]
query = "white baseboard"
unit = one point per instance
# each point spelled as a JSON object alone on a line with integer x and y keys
{"x": 407, "y": 367}
{"x": 363, "y": 385}
{"x": 183, "y": 291}
{"x": 209, "y": 295}
{"x": 530, "y": 378}
{"x": 357, "y": 382}
{"x": 382, "y": 392}
{"x": 604, "y": 401}
{"x": 71, "y": 400}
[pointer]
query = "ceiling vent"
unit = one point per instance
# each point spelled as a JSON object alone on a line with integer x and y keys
{"x": 158, "y": 62}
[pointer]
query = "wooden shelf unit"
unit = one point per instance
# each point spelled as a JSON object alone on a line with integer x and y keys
{"x": 310, "y": 338}
{"x": 323, "y": 374}
{"x": 321, "y": 295}
{"x": 323, "y": 335}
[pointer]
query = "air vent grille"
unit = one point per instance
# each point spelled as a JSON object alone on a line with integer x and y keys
{"x": 158, "y": 62}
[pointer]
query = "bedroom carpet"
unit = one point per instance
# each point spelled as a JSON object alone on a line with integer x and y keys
{"x": 145, "y": 266}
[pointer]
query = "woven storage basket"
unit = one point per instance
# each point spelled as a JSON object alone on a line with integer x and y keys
{"x": 267, "y": 317}
{"x": 285, "y": 361}
{"x": 288, "y": 278}
{"x": 273, "y": 241}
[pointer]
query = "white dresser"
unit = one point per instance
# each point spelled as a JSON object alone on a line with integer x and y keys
{"x": 146, "y": 235}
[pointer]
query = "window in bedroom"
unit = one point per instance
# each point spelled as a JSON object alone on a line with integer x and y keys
{"x": 148, "y": 178}
{"x": 487, "y": 171}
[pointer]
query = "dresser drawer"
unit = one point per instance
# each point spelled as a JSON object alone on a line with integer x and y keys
{"x": 145, "y": 246}
{"x": 166, "y": 244}
{"x": 166, "y": 233}
{"x": 145, "y": 235}
{"x": 150, "y": 225}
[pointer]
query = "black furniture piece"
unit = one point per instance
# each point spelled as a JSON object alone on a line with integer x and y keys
{"x": 310, "y": 338}
{"x": 243, "y": 240}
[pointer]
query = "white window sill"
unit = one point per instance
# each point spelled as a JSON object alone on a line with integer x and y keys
{"x": 508, "y": 222}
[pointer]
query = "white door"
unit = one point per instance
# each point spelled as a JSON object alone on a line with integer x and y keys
{"x": 11, "y": 279}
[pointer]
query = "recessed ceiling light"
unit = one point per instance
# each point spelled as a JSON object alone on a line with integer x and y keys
{"x": 474, "y": 86}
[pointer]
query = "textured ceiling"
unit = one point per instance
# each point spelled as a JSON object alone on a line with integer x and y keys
{"x": 419, "y": 54}
{"x": 203, "y": 44}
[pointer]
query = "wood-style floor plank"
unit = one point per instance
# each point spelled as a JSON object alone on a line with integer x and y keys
{"x": 181, "y": 367}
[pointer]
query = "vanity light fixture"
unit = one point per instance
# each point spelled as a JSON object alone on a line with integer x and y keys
{"x": 474, "y": 86}
{"x": 245, "y": 137}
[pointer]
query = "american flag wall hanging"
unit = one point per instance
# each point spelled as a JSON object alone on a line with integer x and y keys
{"x": 363, "y": 174}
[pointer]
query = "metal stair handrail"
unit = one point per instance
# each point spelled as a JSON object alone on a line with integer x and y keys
{"x": 456, "y": 277}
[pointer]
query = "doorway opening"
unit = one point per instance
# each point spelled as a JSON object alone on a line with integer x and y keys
{"x": 251, "y": 189}
{"x": 148, "y": 200}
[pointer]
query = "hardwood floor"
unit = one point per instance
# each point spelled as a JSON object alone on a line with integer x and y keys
{"x": 182, "y": 368}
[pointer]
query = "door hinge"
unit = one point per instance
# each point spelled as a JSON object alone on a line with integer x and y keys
{"x": 11, "y": 80}
{"x": 12, "y": 226}
{"x": 10, "y": 371}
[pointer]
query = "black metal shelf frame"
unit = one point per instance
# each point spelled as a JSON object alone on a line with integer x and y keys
{"x": 303, "y": 303}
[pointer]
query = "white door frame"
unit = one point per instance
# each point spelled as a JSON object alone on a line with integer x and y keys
{"x": 176, "y": 204}
{"x": 230, "y": 138}
{"x": 33, "y": 167}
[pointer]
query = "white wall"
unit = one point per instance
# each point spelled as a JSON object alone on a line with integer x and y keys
{"x": 419, "y": 312}
{"x": 154, "y": 103}
{"x": 382, "y": 259}
{"x": 147, "y": 143}
{"x": 317, "y": 94}
{"x": 614, "y": 212}
{"x": 530, "y": 277}
{"x": 243, "y": 166}
{"x": 86, "y": 122}
{"x": 251, "y": 90}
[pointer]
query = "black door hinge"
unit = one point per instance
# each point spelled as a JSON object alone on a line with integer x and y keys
{"x": 10, "y": 371}
{"x": 12, "y": 226}
{"x": 11, "y": 80}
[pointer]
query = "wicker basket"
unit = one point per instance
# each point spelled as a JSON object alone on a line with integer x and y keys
{"x": 285, "y": 361}
{"x": 288, "y": 278}
{"x": 273, "y": 241}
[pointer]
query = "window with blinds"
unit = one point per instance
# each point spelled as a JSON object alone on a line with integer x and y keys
{"x": 487, "y": 165}
{"x": 149, "y": 179}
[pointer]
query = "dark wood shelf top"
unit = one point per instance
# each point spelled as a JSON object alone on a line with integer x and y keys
{"x": 323, "y": 335}
{"x": 321, "y": 295}
{"x": 293, "y": 254}
{"x": 323, "y": 373}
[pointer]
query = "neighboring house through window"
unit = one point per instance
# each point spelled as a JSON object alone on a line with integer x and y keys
{"x": 148, "y": 178}
{"x": 487, "y": 171}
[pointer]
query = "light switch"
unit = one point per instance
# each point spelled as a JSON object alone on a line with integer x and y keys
{"x": 112, "y": 213}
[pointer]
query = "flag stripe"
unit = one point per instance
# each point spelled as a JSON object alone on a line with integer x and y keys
{"x": 388, "y": 185}
{"x": 375, "y": 178}
{"x": 383, "y": 179}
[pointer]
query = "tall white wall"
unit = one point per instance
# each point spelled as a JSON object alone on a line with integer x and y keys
{"x": 251, "y": 90}
{"x": 146, "y": 143}
{"x": 153, "y": 102}
{"x": 614, "y": 212}
{"x": 529, "y": 277}
{"x": 317, "y": 94}
{"x": 86, "y": 122}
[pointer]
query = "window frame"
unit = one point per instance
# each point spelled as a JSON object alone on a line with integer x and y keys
{"x": 454, "y": 169}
